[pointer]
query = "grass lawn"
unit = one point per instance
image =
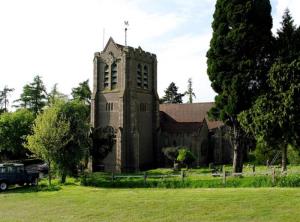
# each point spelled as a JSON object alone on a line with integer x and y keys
{"x": 77, "y": 203}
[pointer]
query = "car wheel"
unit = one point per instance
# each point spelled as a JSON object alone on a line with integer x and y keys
{"x": 3, "y": 186}
{"x": 34, "y": 182}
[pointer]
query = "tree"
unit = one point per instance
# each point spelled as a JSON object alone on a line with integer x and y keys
{"x": 190, "y": 92}
{"x": 171, "y": 153}
{"x": 82, "y": 92}
{"x": 4, "y": 94}
{"x": 50, "y": 136}
{"x": 61, "y": 136}
{"x": 172, "y": 95}
{"x": 55, "y": 95}
{"x": 287, "y": 41}
{"x": 14, "y": 127}
{"x": 185, "y": 156}
{"x": 238, "y": 62}
{"x": 34, "y": 95}
{"x": 274, "y": 117}
{"x": 70, "y": 156}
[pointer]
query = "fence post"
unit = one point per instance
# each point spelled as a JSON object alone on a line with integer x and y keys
{"x": 253, "y": 169}
{"x": 182, "y": 175}
{"x": 224, "y": 175}
{"x": 112, "y": 177}
{"x": 273, "y": 176}
{"x": 145, "y": 177}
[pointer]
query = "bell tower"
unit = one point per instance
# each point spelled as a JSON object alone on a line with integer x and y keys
{"x": 125, "y": 107}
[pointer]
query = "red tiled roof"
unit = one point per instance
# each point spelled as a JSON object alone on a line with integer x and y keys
{"x": 189, "y": 113}
{"x": 175, "y": 127}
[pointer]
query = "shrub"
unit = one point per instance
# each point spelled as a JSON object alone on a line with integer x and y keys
{"x": 185, "y": 156}
{"x": 293, "y": 155}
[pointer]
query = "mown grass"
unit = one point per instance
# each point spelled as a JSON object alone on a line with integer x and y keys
{"x": 76, "y": 203}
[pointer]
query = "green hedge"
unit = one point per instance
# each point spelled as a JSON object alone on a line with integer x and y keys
{"x": 102, "y": 180}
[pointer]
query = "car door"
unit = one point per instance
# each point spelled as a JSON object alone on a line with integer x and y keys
{"x": 10, "y": 174}
{"x": 19, "y": 175}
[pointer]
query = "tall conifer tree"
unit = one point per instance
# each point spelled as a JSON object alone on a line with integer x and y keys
{"x": 238, "y": 61}
{"x": 34, "y": 95}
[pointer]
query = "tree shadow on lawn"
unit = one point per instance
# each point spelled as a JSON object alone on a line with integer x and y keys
{"x": 32, "y": 189}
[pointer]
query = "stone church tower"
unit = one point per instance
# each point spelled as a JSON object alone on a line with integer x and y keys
{"x": 125, "y": 107}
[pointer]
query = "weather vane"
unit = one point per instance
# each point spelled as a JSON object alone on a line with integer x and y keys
{"x": 126, "y": 23}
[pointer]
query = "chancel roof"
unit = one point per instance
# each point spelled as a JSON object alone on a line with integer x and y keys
{"x": 192, "y": 113}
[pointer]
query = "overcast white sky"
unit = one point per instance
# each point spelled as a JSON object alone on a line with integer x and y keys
{"x": 56, "y": 39}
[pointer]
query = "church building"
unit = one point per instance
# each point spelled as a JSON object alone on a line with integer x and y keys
{"x": 125, "y": 108}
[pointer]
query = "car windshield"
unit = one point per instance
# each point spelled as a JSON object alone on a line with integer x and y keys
{"x": 2, "y": 170}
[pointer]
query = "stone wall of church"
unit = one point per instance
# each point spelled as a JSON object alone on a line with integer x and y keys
{"x": 196, "y": 141}
{"x": 141, "y": 109}
{"x": 220, "y": 144}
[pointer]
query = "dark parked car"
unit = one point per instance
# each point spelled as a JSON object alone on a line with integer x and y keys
{"x": 15, "y": 173}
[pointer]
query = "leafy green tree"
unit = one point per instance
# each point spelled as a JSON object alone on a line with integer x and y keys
{"x": 82, "y": 92}
{"x": 274, "y": 119}
{"x": 14, "y": 127}
{"x": 172, "y": 95}
{"x": 185, "y": 156}
{"x": 77, "y": 114}
{"x": 4, "y": 102}
{"x": 238, "y": 62}
{"x": 50, "y": 136}
{"x": 190, "y": 92}
{"x": 61, "y": 136}
{"x": 34, "y": 96}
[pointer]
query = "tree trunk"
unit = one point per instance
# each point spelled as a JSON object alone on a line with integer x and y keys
{"x": 237, "y": 165}
{"x": 284, "y": 159}
{"x": 49, "y": 173}
{"x": 63, "y": 178}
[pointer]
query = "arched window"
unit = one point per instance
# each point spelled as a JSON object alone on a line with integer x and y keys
{"x": 145, "y": 77}
{"x": 106, "y": 76}
{"x": 139, "y": 76}
{"x": 114, "y": 76}
{"x": 109, "y": 107}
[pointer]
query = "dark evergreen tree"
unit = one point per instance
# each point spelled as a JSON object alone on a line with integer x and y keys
{"x": 238, "y": 62}
{"x": 274, "y": 118}
{"x": 287, "y": 41}
{"x": 172, "y": 95}
{"x": 34, "y": 96}
{"x": 4, "y": 102}
{"x": 190, "y": 92}
{"x": 82, "y": 92}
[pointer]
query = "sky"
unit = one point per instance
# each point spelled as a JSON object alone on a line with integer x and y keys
{"x": 56, "y": 39}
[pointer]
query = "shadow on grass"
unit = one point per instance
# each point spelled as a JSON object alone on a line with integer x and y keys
{"x": 32, "y": 189}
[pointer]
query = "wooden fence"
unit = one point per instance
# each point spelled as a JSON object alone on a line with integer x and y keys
{"x": 223, "y": 175}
